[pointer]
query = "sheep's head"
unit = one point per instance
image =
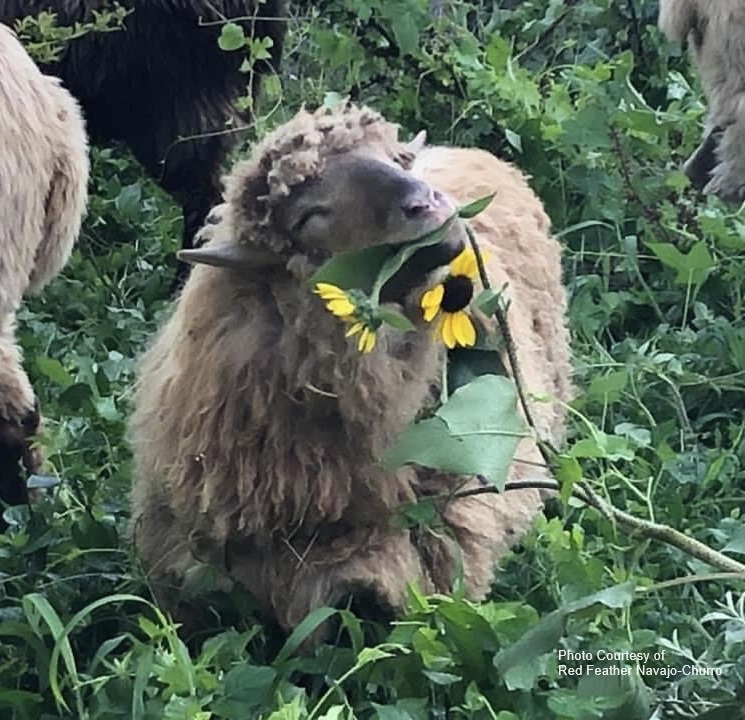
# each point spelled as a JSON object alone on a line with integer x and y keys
{"x": 325, "y": 183}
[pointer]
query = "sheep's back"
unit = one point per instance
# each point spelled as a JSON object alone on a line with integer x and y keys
{"x": 43, "y": 173}
{"x": 160, "y": 78}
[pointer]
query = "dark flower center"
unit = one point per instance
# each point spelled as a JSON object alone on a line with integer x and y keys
{"x": 458, "y": 293}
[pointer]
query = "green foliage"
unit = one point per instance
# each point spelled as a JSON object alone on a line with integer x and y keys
{"x": 45, "y": 40}
{"x": 588, "y": 100}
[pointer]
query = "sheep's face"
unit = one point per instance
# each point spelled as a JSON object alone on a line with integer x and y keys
{"x": 295, "y": 207}
{"x": 359, "y": 200}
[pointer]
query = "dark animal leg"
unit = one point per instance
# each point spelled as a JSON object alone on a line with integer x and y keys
{"x": 17, "y": 457}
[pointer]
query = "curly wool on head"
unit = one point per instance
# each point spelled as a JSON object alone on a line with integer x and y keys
{"x": 296, "y": 152}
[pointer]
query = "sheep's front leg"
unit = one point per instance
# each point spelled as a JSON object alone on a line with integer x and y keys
{"x": 19, "y": 421}
{"x": 369, "y": 569}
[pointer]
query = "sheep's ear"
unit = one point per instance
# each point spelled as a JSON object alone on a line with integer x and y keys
{"x": 417, "y": 144}
{"x": 231, "y": 255}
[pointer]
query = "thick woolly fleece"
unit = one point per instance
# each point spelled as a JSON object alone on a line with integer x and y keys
{"x": 163, "y": 86}
{"x": 715, "y": 31}
{"x": 243, "y": 464}
{"x": 43, "y": 180}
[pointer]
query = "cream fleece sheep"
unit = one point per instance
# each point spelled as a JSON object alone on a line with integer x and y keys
{"x": 257, "y": 426}
{"x": 43, "y": 179}
{"x": 715, "y": 30}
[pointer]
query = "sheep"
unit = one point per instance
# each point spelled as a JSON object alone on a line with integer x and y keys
{"x": 163, "y": 87}
{"x": 43, "y": 181}
{"x": 715, "y": 31}
{"x": 257, "y": 427}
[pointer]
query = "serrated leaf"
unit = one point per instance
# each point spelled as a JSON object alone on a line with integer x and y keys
{"x": 231, "y": 37}
{"x": 692, "y": 267}
{"x": 475, "y": 207}
{"x": 475, "y": 432}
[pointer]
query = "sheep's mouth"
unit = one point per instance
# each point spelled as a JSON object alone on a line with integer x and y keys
{"x": 416, "y": 269}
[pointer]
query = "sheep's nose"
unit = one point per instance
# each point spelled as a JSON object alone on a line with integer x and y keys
{"x": 419, "y": 201}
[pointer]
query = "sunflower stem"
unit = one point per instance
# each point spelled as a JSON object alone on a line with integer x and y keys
{"x": 548, "y": 452}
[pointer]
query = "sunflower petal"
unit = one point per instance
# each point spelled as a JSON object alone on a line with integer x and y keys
{"x": 329, "y": 292}
{"x": 341, "y": 307}
{"x": 463, "y": 329}
{"x": 354, "y": 329}
{"x": 448, "y": 336}
{"x": 433, "y": 297}
{"x": 466, "y": 264}
{"x": 369, "y": 342}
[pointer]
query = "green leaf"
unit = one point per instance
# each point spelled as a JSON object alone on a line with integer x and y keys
{"x": 405, "y": 709}
{"x": 568, "y": 474}
{"x": 142, "y": 676}
{"x": 441, "y": 678}
{"x": 129, "y": 201}
{"x": 303, "y": 631}
{"x": 475, "y": 207}
{"x": 693, "y": 267}
{"x": 37, "y": 607}
{"x": 356, "y": 269}
{"x": 487, "y": 301}
{"x": 466, "y": 364}
{"x": 371, "y": 655}
{"x": 231, "y": 37}
{"x": 53, "y": 369}
{"x": 396, "y": 320}
{"x": 245, "y": 687}
{"x": 609, "y": 386}
{"x": 519, "y": 662}
{"x": 736, "y": 543}
{"x": 19, "y": 699}
{"x": 405, "y": 32}
{"x": 474, "y": 433}
{"x": 602, "y": 445}
{"x": 393, "y": 264}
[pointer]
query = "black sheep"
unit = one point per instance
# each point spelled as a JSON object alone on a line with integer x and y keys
{"x": 161, "y": 79}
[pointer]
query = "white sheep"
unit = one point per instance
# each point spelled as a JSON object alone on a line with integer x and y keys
{"x": 43, "y": 181}
{"x": 715, "y": 31}
{"x": 258, "y": 427}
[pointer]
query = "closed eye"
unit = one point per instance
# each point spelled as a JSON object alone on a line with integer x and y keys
{"x": 307, "y": 215}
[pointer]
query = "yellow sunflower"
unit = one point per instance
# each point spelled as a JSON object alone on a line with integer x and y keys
{"x": 450, "y": 298}
{"x": 339, "y": 303}
{"x": 366, "y": 341}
